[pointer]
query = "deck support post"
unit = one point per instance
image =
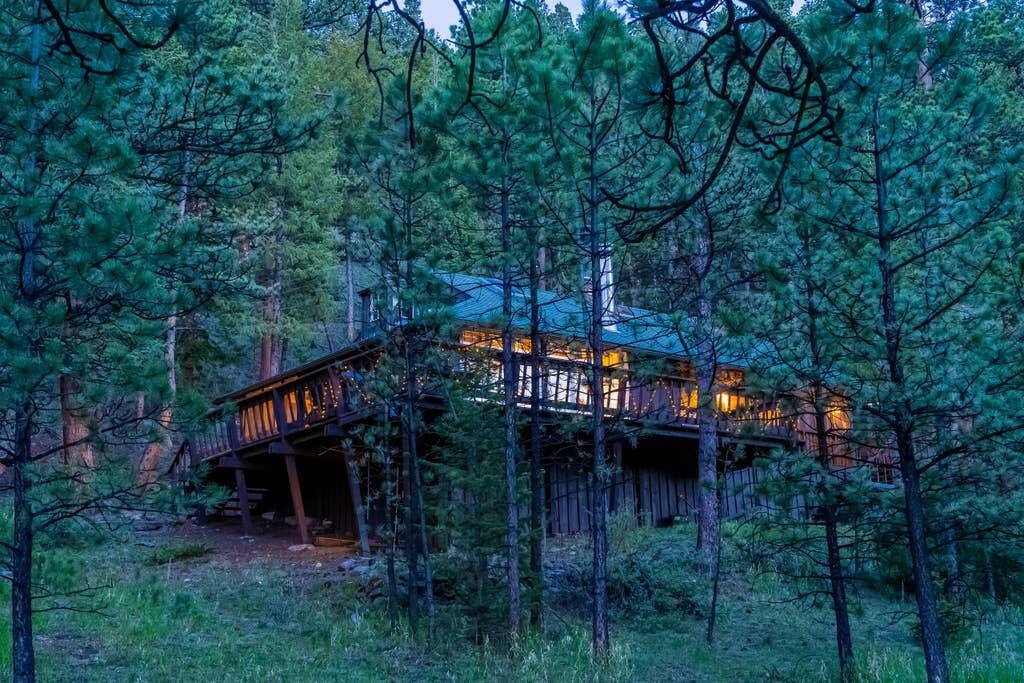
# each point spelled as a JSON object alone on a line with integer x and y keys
{"x": 352, "y": 469}
{"x": 243, "y": 500}
{"x": 293, "y": 484}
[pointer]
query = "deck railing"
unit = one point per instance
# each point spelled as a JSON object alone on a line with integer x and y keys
{"x": 314, "y": 398}
{"x": 670, "y": 401}
{"x": 324, "y": 393}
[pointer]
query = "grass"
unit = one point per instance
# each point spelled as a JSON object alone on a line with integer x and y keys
{"x": 178, "y": 553}
{"x": 166, "y": 617}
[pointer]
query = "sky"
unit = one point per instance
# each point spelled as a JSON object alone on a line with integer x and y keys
{"x": 440, "y": 14}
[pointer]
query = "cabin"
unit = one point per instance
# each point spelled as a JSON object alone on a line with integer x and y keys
{"x": 292, "y": 444}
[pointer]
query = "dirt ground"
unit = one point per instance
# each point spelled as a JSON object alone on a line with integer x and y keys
{"x": 268, "y": 541}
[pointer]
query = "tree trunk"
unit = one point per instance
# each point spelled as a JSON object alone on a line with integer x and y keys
{"x": 716, "y": 577}
{"x": 924, "y": 591}
{"x": 707, "y": 460}
{"x": 391, "y": 523}
{"x": 149, "y": 466}
{"x": 424, "y": 543}
{"x": 707, "y": 424}
{"x": 917, "y": 532}
{"x": 417, "y": 527}
{"x": 837, "y": 579}
{"x": 509, "y": 376}
{"x": 22, "y": 647}
{"x": 352, "y": 474}
{"x": 23, "y": 658}
{"x": 537, "y": 525}
{"x": 270, "y": 342}
{"x": 77, "y": 450}
{"x": 411, "y": 557}
{"x": 350, "y": 293}
{"x": 599, "y": 464}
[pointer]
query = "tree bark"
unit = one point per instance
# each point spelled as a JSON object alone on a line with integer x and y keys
{"x": 707, "y": 458}
{"x": 417, "y": 527}
{"x": 22, "y": 646}
{"x": 411, "y": 556}
{"x": 599, "y": 463}
{"x": 837, "y": 579}
{"x": 350, "y": 293}
{"x": 78, "y": 451}
{"x": 271, "y": 342}
{"x": 509, "y": 376}
{"x": 352, "y": 474}
{"x": 150, "y": 463}
{"x": 149, "y": 466}
{"x": 917, "y": 531}
{"x": 537, "y": 525}
{"x": 23, "y": 659}
{"x": 707, "y": 424}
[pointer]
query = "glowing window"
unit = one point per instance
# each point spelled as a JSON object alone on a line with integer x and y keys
{"x": 615, "y": 359}
{"x": 729, "y": 401}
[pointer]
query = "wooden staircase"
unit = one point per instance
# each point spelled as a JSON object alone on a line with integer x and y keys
{"x": 233, "y": 508}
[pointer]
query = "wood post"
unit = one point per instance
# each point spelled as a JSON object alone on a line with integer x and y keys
{"x": 352, "y": 468}
{"x": 293, "y": 484}
{"x": 243, "y": 500}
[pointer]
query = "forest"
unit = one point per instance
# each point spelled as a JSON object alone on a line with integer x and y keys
{"x": 638, "y": 340}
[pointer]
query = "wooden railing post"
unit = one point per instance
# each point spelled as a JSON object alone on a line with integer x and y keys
{"x": 340, "y": 405}
{"x": 232, "y": 427}
{"x": 279, "y": 415}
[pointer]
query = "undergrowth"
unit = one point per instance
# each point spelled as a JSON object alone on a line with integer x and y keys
{"x": 155, "y": 614}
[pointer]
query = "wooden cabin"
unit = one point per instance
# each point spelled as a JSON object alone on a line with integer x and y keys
{"x": 291, "y": 444}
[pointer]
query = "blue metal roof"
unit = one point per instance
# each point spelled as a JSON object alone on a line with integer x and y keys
{"x": 564, "y": 315}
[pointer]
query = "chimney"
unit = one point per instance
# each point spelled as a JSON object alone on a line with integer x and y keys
{"x": 609, "y": 318}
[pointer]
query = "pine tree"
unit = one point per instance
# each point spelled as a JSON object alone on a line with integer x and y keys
{"x": 912, "y": 205}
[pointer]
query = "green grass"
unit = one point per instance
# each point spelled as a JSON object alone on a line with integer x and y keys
{"x": 268, "y": 619}
{"x": 178, "y": 553}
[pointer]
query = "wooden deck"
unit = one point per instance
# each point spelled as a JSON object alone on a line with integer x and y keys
{"x": 321, "y": 398}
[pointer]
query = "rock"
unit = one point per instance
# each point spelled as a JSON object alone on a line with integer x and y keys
{"x": 347, "y": 565}
{"x": 290, "y": 520}
{"x": 301, "y": 547}
{"x": 269, "y": 516}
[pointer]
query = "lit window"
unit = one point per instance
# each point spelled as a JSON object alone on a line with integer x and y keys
{"x": 615, "y": 359}
{"x": 556, "y": 350}
{"x": 729, "y": 401}
{"x": 481, "y": 339}
{"x": 491, "y": 339}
